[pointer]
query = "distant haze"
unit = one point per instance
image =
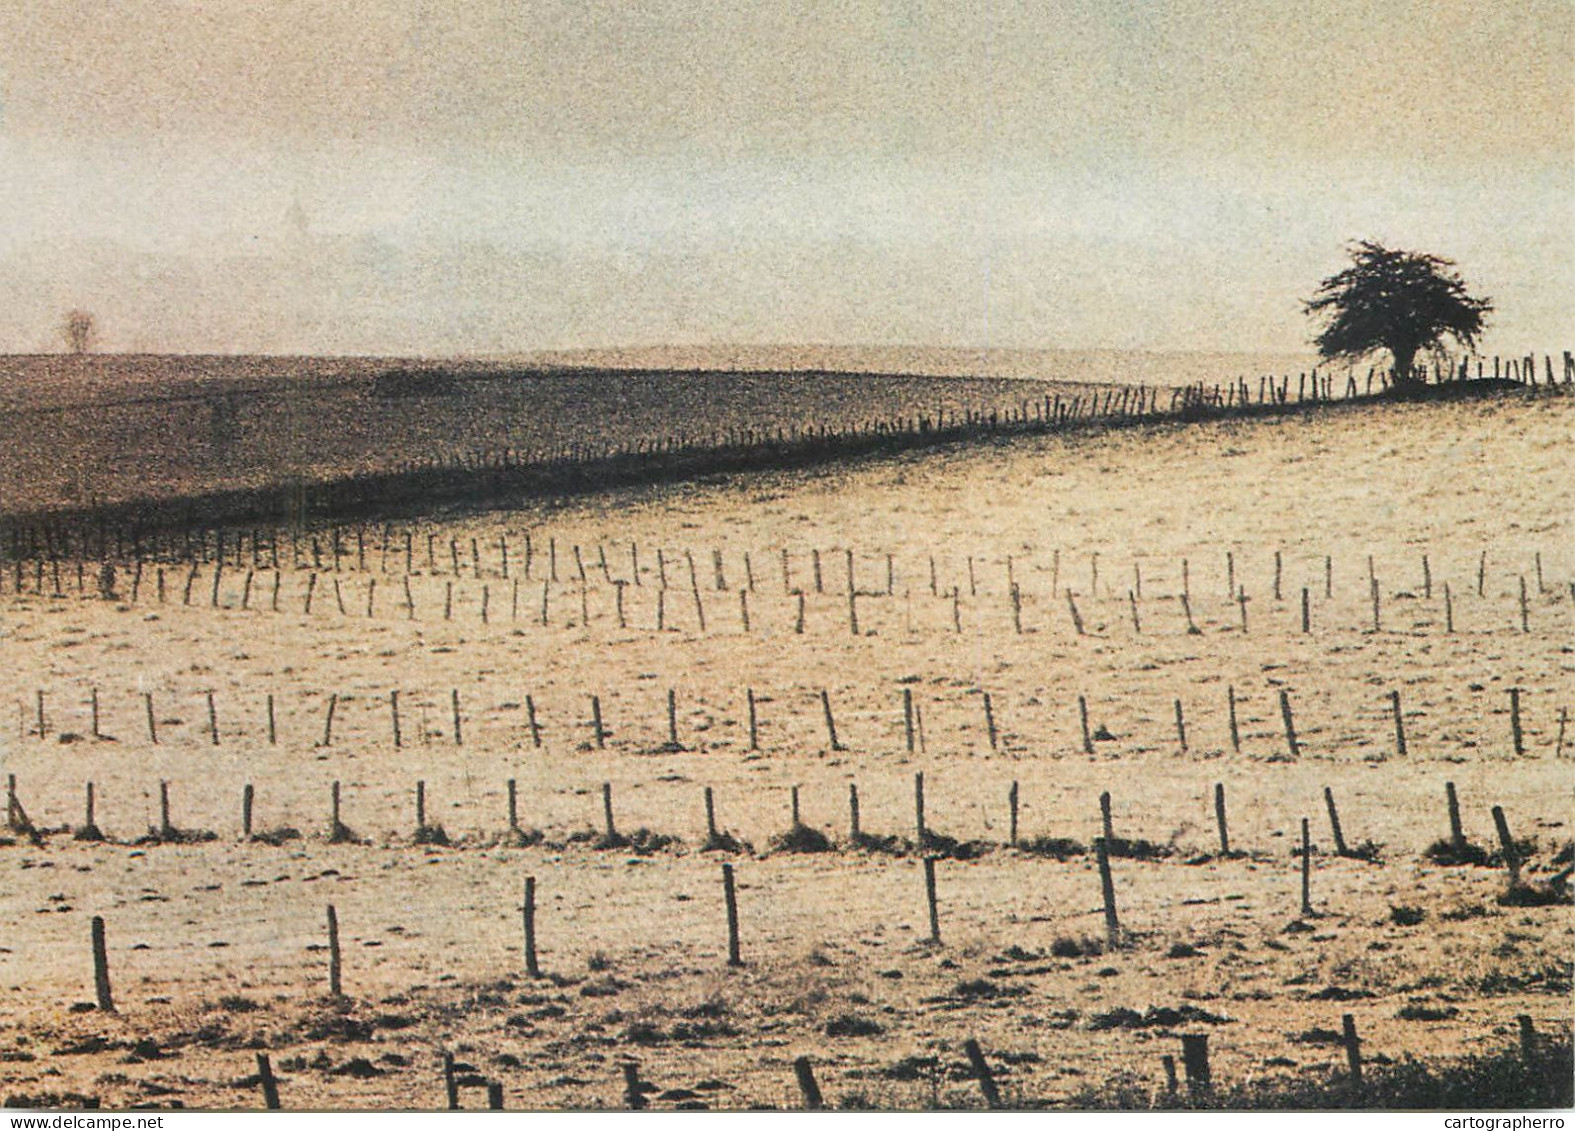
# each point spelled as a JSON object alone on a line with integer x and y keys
{"x": 410, "y": 177}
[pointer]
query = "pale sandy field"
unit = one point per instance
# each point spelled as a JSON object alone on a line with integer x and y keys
{"x": 217, "y": 949}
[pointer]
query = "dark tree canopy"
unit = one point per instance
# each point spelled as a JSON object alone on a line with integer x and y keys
{"x": 1401, "y": 301}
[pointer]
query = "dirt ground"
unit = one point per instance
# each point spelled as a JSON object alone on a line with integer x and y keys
{"x": 217, "y": 948}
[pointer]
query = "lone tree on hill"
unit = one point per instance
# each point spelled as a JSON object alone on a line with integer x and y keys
{"x": 80, "y": 331}
{"x": 1401, "y": 301}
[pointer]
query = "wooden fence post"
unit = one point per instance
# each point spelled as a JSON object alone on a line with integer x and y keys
{"x": 1516, "y": 734}
{"x": 1307, "y": 907}
{"x": 530, "y": 721}
{"x": 807, "y": 1085}
{"x": 1219, "y": 818}
{"x": 269, "y": 1082}
{"x": 1528, "y": 1040}
{"x": 929, "y": 895}
{"x": 335, "y": 983}
{"x": 1082, "y": 716}
{"x": 450, "y": 1081}
{"x": 1011, "y": 800}
{"x": 166, "y": 828}
{"x": 1507, "y": 846}
{"x": 1290, "y": 724}
{"x": 730, "y": 897}
{"x": 531, "y": 967}
{"x": 1457, "y": 836}
{"x": 831, "y": 724}
{"x": 1108, "y": 890}
{"x": 982, "y": 1073}
{"x": 1195, "y": 1061}
{"x": 1353, "y": 1047}
{"x": 1334, "y": 823}
{"x": 106, "y": 1002}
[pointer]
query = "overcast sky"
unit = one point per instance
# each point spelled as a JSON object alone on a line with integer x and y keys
{"x": 481, "y": 176}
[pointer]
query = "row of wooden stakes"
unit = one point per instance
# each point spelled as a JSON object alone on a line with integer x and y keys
{"x": 927, "y": 842}
{"x": 28, "y": 573}
{"x": 1194, "y": 1046}
{"x": 912, "y": 722}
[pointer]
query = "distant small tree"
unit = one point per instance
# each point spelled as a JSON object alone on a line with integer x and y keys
{"x": 1405, "y": 302}
{"x": 80, "y": 331}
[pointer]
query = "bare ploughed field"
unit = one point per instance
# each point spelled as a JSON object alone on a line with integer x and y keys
{"x": 217, "y": 948}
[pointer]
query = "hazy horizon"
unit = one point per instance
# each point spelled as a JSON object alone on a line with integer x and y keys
{"x": 311, "y": 178}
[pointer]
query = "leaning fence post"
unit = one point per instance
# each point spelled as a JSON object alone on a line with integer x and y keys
{"x": 1507, "y": 846}
{"x": 1169, "y": 1063}
{"x": 981, "y": 1071}
{"x": 269, "y": 1082}
{"x": 1353, "y": 1047}
{"x": 1290, "y": 724}
{"x": 1108, "y": 889}
{"x": 807, "y": 1085}
{"x": 831, "y": 724}
{"x": 1334, "y": 823}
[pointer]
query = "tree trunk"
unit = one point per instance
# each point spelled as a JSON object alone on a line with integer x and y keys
{"x": 1405, "y": 370}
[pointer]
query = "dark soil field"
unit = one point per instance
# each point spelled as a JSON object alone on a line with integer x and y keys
{"x": 78, "y": 431}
